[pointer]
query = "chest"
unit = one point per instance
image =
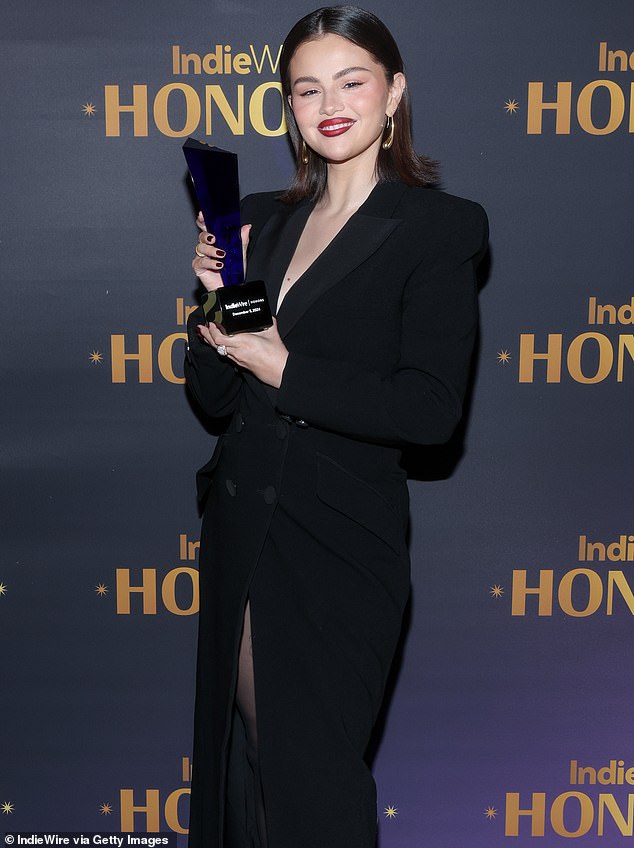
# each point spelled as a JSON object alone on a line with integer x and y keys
{"x": 318, "y": 233}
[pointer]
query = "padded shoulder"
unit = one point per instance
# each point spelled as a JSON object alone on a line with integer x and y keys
{"x": 256, "y": 209}
{"x": 459, "y": 227}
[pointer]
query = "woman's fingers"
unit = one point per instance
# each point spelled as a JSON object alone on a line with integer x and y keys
{"x": 214, "y": 337}
{"x": 217, "y": 337}
{"x": 209, "y": 250}
{"x": 206, "y": 261}
{"x": 263, "y": 353}
{"x": 209, "y": 260}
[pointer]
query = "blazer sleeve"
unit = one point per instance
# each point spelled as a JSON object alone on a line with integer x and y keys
{"x": 213, "y": 380}
{"x": 420, "y": 400}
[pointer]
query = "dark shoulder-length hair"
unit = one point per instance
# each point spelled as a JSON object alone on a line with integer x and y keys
{"x": 400, "y": 162}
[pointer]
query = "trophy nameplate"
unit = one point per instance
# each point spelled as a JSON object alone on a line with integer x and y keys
{"x": 235, "y": 307}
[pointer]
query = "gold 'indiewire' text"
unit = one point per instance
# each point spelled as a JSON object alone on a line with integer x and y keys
{"x": 614, "y": 60}
{"x": 222, "y": 61}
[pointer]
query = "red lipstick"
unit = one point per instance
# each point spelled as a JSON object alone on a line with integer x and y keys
{"x": 335, "y": 126}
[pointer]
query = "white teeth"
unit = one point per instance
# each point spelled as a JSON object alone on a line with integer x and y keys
{"x": 337, "y": 126}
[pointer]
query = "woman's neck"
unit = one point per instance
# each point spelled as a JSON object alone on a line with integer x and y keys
{"x": 347, "y": 186}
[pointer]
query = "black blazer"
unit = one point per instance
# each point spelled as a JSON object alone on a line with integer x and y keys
{"x": 385, "y": 318}
{"x": 304, "y": 492}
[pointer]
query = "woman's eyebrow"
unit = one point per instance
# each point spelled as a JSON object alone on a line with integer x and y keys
{"x": 345, "y": 71}
{"x": 337, "y": 76}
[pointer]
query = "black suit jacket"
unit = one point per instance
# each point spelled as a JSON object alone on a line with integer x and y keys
{"x": 304, "y": 493}
{"x": 385, "y": 318}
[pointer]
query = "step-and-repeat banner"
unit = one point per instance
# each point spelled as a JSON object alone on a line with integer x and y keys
{"x": 509, "y": 721}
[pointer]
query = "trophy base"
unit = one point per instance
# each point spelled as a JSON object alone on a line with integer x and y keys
{"x": 238, "y": 309}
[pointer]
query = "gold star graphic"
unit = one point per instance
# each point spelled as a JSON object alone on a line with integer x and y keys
{"x": 496, "y": 591}
{"x": 511, "y": 107}
{"x": 105, "y": 809}
{"x": 7, "y": 808}
{"x": 96, "y": 357}
{"x": 504, "y": 357}
{"x": 391, "y": 812}
{"x": 101, "y": 589}
{"x": 490, "y": 813}
{"x": 3, "y": 589}
{"x": 88, "y": 109}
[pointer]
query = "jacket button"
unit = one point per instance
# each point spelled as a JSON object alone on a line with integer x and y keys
{"x": 301, "y": 423}
{"x": 269, "y": 495}
{"x": 231, "y": 487}
{"x": 239, "y": 422}
{"x": 281, "y": 430}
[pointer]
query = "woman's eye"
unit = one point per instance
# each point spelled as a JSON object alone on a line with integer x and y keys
{"x": 352, "y": 84}
{"x": 308, "y": 92}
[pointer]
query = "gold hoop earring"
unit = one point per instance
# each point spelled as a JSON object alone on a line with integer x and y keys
{"x": 389, "y": 126}
{"x": 304, "y": 153}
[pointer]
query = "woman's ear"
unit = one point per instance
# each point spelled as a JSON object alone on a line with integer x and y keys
{"x": 397, "y": 88}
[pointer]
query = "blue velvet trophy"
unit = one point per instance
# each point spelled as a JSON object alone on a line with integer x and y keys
{"x": 236, "y": 307}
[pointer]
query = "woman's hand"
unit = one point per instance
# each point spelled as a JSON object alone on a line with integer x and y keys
{"x": 263, "y": 354}
{"x": 208, "y": 262}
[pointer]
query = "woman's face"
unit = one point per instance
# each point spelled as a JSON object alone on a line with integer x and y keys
{"x": 340, "y": 97}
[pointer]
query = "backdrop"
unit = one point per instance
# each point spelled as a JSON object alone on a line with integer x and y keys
{"x": 510, "y": 716}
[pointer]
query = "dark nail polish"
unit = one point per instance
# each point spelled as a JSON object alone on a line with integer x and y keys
{"x": 221, "y": 252}
{"x": 220, "y": 264}
{"x": 210, "y": 238}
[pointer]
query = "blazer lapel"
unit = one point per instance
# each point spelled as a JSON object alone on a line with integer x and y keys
{"x": 276, "y": 244}
{"x": 275, "y": 247}
{"x": 361, "y": 236}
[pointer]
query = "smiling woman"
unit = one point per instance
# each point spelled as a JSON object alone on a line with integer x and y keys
{"x": 304, "y": 568}
{"x": 396, "y": 158}
{"x": 349, "y": 100}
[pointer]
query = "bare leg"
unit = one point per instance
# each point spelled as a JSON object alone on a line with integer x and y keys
{"x": 245, "y": 701}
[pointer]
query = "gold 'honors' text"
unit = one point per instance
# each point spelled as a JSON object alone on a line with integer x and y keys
{"x": 146, "y": 591}
{"x": 145, "y": 811}
{"x": 138, "y": 358}
{"x": 588, "y": 358}
{"x": 179, "y": 109}
{"x": 601, "y": 106}
{"x": 573, "y": 814}
{"x": 579, "y": 592}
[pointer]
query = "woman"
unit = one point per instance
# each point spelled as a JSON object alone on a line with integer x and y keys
{"x": 304, "y": 567}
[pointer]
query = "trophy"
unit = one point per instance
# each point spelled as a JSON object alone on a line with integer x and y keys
{"x": 236, "y": 307}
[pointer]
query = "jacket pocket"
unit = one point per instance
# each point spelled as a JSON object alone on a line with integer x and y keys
{"x": 360, "y": 502}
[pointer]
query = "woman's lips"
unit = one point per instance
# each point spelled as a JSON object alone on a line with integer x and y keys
{"x": 335, "y": 126}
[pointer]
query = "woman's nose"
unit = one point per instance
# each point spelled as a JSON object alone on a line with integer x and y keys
{"x": 330, "y": 103}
